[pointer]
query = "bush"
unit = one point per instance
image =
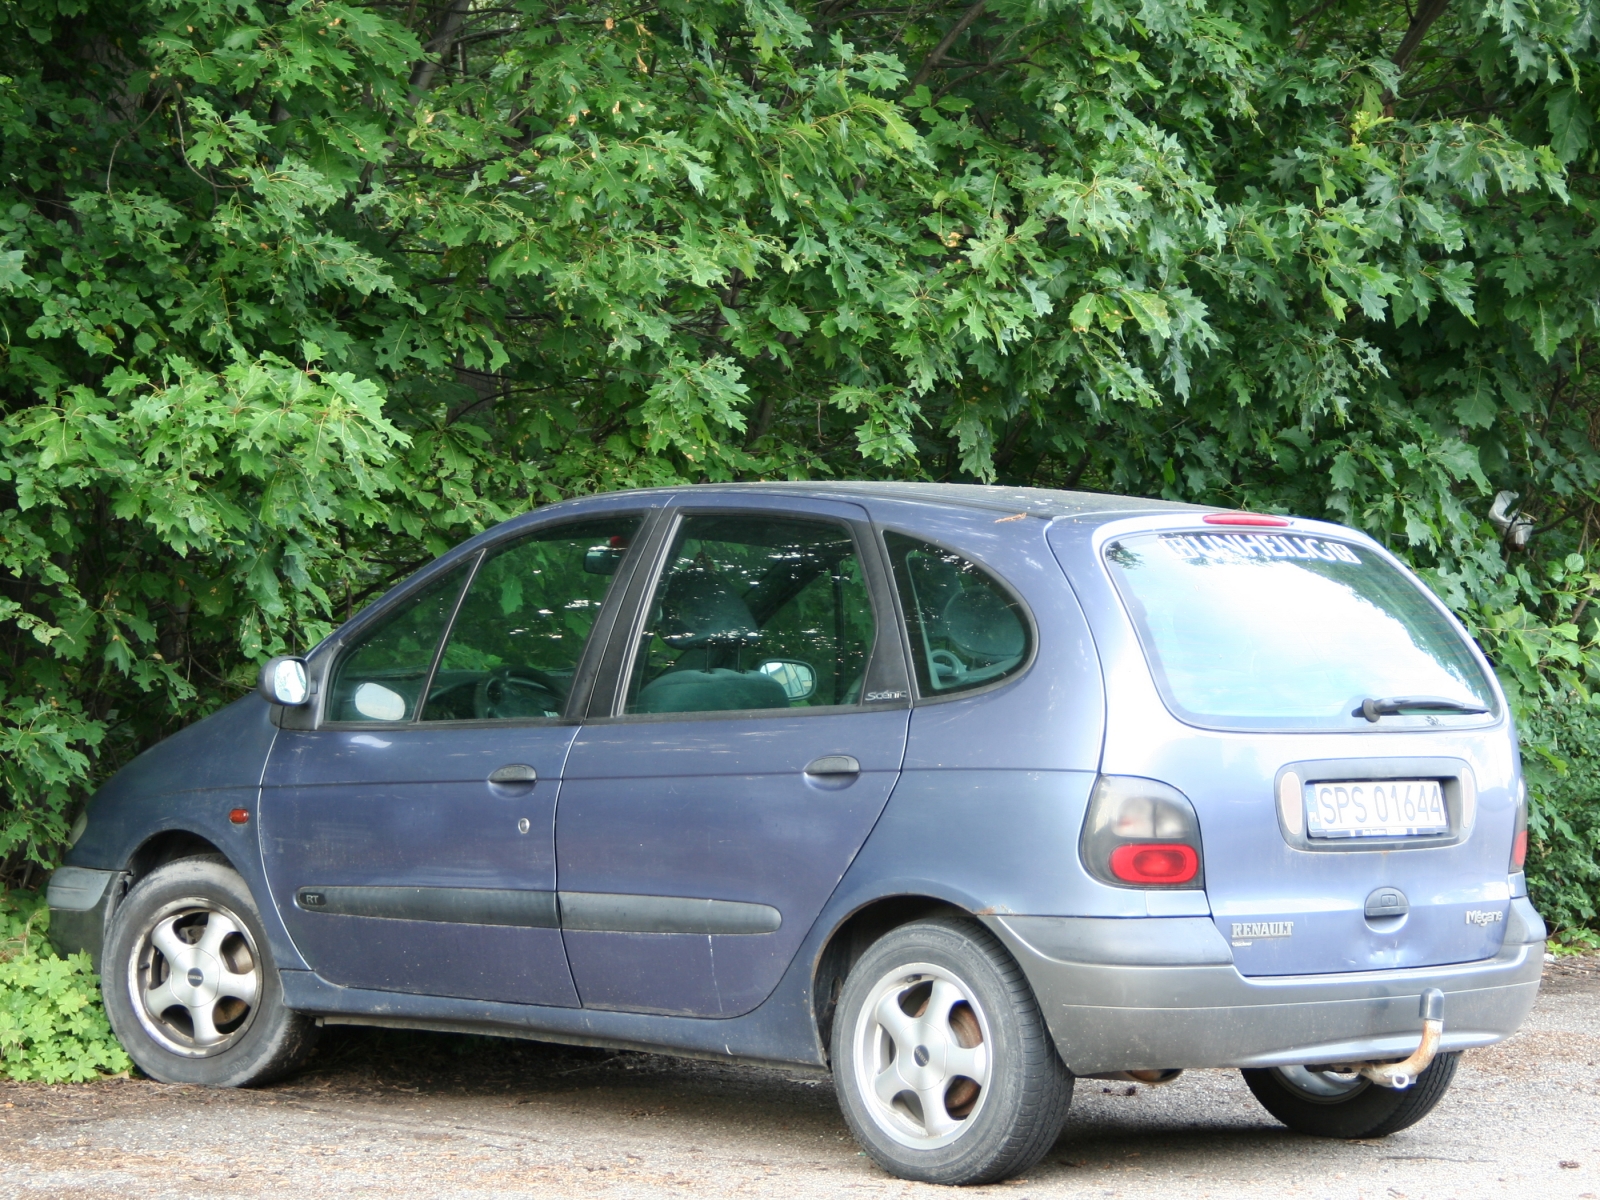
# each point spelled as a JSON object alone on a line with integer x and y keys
{"x": 1561, "y": 760}
{"x": 52, "y": 1025}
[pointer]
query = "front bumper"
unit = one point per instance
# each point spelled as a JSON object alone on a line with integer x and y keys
{"x": 1152, "y": 993}
{"x": 78, "y": 899}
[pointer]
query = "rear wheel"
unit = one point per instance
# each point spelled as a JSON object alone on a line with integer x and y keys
{"x": 944, "y": 1068}
{"x": 1326, "y": 1104}
{"x": 189, "y": 983}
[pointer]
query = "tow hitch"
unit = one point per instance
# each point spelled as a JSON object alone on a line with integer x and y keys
{"x": 1403, "y": 1074}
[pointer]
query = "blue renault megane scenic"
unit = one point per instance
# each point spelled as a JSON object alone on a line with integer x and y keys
{"x": 959, "y": 792}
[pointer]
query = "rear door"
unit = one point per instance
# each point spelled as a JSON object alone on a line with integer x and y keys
{"x": 753, "y": 732}
{"x": 1238, "y": 664}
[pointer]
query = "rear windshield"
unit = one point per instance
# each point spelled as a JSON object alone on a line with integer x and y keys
{"x": 1259, "y": 631}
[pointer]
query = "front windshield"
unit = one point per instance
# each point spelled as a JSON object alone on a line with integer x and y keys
{"x": 1260, "y": 631}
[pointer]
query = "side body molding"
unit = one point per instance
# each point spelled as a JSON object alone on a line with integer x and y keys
{"x": 595, "y": 911}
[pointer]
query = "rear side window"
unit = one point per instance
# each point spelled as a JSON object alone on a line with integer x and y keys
{"x": 1256, "y": 631}
{"x": 966, "y": 629}
{"x": 755, "y": 612}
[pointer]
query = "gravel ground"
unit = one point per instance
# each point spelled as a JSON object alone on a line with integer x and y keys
{"x": 387, "y": 1114}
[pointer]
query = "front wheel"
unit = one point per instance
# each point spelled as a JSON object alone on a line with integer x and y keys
{"x": 945, "y": 1070}
{"x": 189, "y": 983}
{"x": 1326, "y": 1104}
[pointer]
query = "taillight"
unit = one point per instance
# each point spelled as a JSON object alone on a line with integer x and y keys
{"x": 1141, "y": 833}
{"x": 1519, "y": 831}
{"x": 1154, "y": 862}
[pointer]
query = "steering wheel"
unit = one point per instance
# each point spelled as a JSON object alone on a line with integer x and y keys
{"x": 543, "y": 693}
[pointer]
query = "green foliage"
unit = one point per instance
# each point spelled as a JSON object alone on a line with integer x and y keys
{"x": 294, "y": 295}
{"x": 52, "y": 1025}
{"x": 1563, "y": 819}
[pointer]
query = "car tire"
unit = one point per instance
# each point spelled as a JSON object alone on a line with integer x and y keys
{"x": 189, "y": 983}
{"x": 938, "y": 1011}
{"x": 1322, "y": 1104}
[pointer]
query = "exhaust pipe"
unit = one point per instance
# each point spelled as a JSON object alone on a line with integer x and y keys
{"x": 1403, "y": 1074}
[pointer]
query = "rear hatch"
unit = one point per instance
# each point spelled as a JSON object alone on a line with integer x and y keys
{"x": 1342, "y": 741}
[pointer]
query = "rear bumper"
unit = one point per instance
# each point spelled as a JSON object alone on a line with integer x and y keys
{"x": 1121, "y": 995}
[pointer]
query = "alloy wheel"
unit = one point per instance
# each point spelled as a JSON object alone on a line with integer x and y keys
{"x": 195, "y": 978}
{"x": 922, "y": 1055}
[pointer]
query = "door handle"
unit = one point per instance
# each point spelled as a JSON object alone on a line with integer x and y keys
{"x": 514, "y": 773}
{"x": 833, "y": 764}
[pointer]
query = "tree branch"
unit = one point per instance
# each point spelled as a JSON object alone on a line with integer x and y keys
{"x": 438, "y": 47}
{"x": 949, "y": 39}
{"x": 1428, "y": 12}
{"x": 1304, "y": 23}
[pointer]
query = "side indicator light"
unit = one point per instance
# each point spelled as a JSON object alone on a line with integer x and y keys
{"x": 1244, "y": 518}
{"x": 239, "y": 816}
{"x": 1159, "y": 862}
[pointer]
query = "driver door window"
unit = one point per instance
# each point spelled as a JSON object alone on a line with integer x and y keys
{"x": 381, "y": 677}
{"x": 523, "y": 623}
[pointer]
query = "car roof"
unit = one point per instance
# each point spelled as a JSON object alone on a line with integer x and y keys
{"x": 1041, "y": 502}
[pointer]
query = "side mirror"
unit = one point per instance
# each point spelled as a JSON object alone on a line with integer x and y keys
{"x": 798, "y": 679}
{"x": 285, "y": 680}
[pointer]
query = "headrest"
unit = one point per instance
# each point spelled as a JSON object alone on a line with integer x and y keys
{"x": 984, "y": 627}
{"x": 700, "y": 609}
{"x": 937, "y": 580}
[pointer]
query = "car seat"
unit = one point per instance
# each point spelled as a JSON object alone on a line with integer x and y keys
{"x": 699, "y": 611}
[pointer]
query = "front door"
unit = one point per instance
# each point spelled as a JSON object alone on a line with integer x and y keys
{"x": 758, "y": 727}
{"x": 409, "y": 838}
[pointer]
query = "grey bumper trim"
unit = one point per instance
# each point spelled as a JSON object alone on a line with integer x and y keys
{"x": 1122, "y": 1014}
{"x": 76, "y": 889}
{"x": 78, "y": 898}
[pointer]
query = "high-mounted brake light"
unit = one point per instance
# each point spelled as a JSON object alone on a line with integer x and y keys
{"x": 1244, "y": 518}
{"x": 1159, "y": 863}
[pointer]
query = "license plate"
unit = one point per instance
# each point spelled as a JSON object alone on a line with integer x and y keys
{"x": 1376, "y": 808}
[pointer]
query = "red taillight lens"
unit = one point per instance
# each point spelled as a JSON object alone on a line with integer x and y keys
{"x": 1519, "y": 828}
{"x": 1158, "y": 862}
{"x": 1241, "y": 518}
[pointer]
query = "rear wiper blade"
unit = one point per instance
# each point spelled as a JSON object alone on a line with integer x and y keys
{"x": 1391, "y": 706}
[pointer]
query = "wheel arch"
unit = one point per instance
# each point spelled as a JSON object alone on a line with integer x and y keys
{"x": 157, "y": 850}
{"x": 169, "y": 845}
{"x": 852, "y": 937}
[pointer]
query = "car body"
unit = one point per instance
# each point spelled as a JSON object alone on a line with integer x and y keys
{"x": 682, "y": 861}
